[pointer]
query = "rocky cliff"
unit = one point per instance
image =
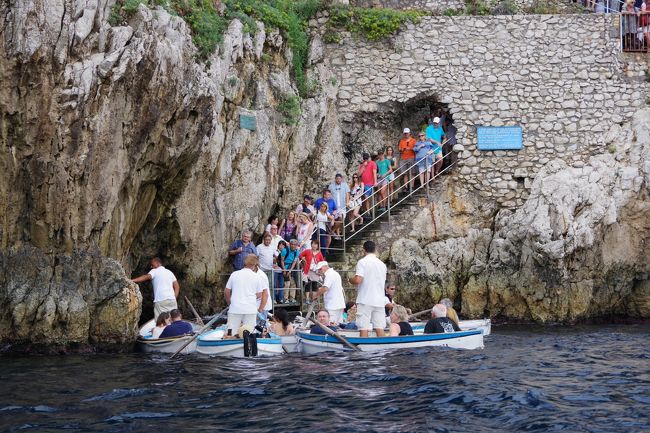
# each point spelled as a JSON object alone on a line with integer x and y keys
{"x": 577, "y": 248}
{"x": 118, "y": 143}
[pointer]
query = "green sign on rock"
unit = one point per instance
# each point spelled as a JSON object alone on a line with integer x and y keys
{"x": 247, "y": 122}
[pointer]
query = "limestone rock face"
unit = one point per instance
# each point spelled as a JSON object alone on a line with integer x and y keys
{"x": 66, "y": 299}
{"x": 577, "y": 248}
{"x": 117, "y": 142}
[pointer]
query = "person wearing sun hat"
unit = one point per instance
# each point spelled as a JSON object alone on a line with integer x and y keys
{"x": 332, "y": 291}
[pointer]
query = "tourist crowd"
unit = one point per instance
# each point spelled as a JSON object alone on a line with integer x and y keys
{"x": 292, "y": 253}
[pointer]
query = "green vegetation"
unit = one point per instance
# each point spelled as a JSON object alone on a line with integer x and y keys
{"x": 611, "y": 148}
{"x": 372, "y": 23}
{"x": 289, "y": 107}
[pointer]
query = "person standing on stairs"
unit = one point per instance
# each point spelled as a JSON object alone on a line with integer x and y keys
{"x": 368, "y": 174}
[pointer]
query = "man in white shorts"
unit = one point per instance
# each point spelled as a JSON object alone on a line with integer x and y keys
{"x": 165, "y": 287}
{"x": 332, "y": 291}
{"x": 370, "y": 276}
{"x": 242, "y": 290}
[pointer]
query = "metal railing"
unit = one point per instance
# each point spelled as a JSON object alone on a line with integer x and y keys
{"x": 602, "y": 6}
{"x": 635, "y": 31}
{"x": 383, "y": 206}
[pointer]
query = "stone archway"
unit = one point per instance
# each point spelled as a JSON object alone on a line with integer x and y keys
{"x": 382, "y": 124}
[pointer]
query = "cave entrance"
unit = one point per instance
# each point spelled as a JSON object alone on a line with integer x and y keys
{"x": 371, "y": 131}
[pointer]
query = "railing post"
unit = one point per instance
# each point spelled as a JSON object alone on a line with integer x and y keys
{"x": 388, "y": 204}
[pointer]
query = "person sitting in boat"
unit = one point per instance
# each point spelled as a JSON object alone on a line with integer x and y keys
{"x": 439, "y": 322}
{"x": 349, "y": 316}
{"x": 323, "y": 318}
{"x": 162, "y": 321}
{"x": 178, "y": 326}
{"x": 451, "y": 313}
{"x": 280, "y": 324}
{"x": 399, "y": 324}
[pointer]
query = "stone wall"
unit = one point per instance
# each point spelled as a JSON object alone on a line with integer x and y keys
{"x": 561, "y": 78}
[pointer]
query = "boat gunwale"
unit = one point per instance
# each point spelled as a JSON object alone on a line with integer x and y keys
{"x": 389, "y": 340}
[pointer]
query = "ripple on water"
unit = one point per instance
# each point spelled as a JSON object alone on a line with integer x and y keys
{"x": 120, "y": 393}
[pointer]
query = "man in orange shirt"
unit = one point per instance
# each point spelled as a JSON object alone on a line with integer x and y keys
{"x": 407, "y": 157}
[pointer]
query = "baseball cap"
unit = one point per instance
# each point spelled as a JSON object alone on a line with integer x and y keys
{"x": 338, "y": 175}
{"x": 320, "y": 265}
{"x": 436, "y": 120}
{"x": 406, "y": 131}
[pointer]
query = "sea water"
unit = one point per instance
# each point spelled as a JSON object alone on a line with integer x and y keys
{"x": 573, "y": 379}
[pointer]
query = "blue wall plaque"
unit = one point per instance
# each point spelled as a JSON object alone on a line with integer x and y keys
{"x": 247, "y": 122}
{"x": 499, "y": 137}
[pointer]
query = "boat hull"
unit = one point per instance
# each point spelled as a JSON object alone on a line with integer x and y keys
{"x": 166, "y": 345}
{"x": 469, "y": 340}
{"x": 163, "y": 345}
{"x": 484, "y": 325}
{"x": 210, "y": 345}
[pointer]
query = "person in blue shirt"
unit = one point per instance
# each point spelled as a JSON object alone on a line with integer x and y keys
{"x": 436, "y": 134}
{"x": 422, "y": 149}
{"x": 239, "y": 249}
{"x": 178, "y": 326}
{"x": 326, "y": 198}
{"x": 323, "y": 318}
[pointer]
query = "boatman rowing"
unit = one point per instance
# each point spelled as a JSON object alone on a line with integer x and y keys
{"x": 370, "y": 275}
{"x": 243, "y": 289}
{"x": 165, "y": 287}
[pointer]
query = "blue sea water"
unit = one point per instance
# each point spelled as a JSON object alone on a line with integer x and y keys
{"x": 576, "y": 379}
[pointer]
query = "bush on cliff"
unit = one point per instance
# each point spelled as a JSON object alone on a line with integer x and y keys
{"x": 372, "y": 23}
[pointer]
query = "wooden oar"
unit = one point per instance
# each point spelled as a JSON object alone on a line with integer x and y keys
{"x": 336, "y": 335}
{"x": 306, "y": 319}
{"x": 201, "y": 331}
{"x": 413, "y": 316}
{"x": 196, "y": 315}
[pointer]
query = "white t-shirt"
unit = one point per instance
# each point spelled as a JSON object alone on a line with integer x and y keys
{"x": 265, "y": 255}
{"x": 275, "y": 240}
{"x": 265, "y": 283}
{"x": 334, "y": 297}
{"x": 157, "y": 331}
{"x": 371, "y": 290}
{"x": 322, "y": 220}
{"x": 244, "y": 286}
{"x": 162, "y": 280}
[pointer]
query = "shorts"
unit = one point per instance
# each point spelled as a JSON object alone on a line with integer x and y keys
{"x": 336, "y": 316}
{"x": 367, "y": 190}
{"x": 166, "y": 305}
{"x": 423, "y": 165}
{"x": 404, "y": 165}
{"x": 368, "y": 315}
{"x": 236, "y": 321}
{"x": 312, "y": 286}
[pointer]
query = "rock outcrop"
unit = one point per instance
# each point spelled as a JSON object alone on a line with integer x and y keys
{"x": 118, "y": 143}
{"x": 577, "y": 248}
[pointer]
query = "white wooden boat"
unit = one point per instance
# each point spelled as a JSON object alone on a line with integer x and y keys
{"x": 316, "y": 343}
{"x": 213, "y": 343}
{"x": 484, "y": 325}
{"x": 290, "y": 342}
{"x": 146, "y": 343}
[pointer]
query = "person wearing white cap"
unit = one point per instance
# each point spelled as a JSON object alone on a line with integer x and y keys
{"x": 332, "y": 291}
{"x": 435, "y": 134}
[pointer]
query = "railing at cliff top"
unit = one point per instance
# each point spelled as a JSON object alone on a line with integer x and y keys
{"x": 602, "y": 6}
{"x": 635, "y": 32}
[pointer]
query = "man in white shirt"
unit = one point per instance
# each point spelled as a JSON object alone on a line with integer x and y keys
{"x": 341, "y": 194}
{"x": 242, "y": 290}
{"x": 265, "y": 283}
{"x": 275, "y": 237}
{"x": 370, "y": 276}
{"x": 332, "y": 291}
{"x": 165, "y": 287}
